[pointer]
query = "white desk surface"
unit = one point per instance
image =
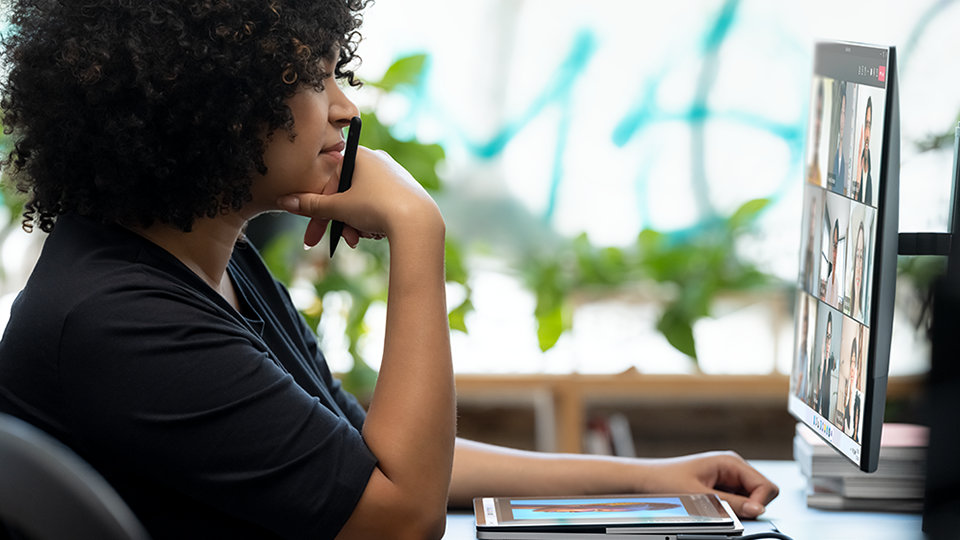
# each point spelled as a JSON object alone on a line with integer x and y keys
{"x": 788, "y": 513}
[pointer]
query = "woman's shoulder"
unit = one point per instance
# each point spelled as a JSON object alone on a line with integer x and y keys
{"x": 89, "y": 270}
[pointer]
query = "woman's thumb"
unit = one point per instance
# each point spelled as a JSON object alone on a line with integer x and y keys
{"x": 306, "y": 204}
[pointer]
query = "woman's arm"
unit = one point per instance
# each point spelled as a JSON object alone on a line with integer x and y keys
{"x": 486, "y": 470}
{"x": 411, "y": 422}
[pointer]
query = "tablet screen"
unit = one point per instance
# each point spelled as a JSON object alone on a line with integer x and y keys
{"x": 636, "y": 511}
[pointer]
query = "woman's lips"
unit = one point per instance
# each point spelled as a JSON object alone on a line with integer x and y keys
{"x": 335, "y": 149}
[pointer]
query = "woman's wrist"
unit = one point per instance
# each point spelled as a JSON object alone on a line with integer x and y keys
{"x": 592, "y": 475}
{"x": 621, "y": 475}
{"x": 417, "y": 221}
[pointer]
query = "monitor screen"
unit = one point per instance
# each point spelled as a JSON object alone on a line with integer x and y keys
{"x": 844, "y": 296}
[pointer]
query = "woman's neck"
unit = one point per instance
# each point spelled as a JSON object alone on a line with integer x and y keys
{"x": 205, "y": 250}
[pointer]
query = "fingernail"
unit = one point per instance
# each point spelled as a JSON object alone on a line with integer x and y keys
{"x": 290, "y": 203}
{"x": 753, "y": 509}
{"x": 306, "y": 246}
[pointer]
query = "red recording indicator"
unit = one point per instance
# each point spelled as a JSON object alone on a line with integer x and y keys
{"x": 883, "y": 74}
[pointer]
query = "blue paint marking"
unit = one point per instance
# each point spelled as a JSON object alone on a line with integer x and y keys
{"x": 558, "y": 90}
{"x": 647, "y": 112}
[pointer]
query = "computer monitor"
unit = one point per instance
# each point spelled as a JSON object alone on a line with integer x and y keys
{"x": 848, "y": 249}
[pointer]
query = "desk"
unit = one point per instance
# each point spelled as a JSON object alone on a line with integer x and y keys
{"x": 788, "y": 512}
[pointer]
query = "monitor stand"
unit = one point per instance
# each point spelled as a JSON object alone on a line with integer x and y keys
{"x": 941, "y": 511}
{"x": 933, "y": 243}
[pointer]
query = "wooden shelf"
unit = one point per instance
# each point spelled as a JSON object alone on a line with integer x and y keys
{"x": 560, "y": 402}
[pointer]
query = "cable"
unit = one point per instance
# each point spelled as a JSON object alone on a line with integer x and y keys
{"x": 755, "y": 536}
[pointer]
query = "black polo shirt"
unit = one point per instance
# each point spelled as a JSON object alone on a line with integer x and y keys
{"x": 208, "y": 422}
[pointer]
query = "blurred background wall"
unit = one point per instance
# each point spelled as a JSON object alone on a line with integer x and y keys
{"x": 562, "y": 118}
{"x": 565, "y": 128}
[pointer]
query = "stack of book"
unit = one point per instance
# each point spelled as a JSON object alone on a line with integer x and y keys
{"x": 609, "y": 436}
{"x": 834, "y": 483}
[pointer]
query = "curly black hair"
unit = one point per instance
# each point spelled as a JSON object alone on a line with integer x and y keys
{"x": 137, "y": 112}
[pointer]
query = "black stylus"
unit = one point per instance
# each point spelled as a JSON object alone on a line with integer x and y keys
{"x": 346, "y": 176}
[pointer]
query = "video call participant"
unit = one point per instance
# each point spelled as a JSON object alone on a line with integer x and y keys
{"x": 151, "y": 338}
{"x": 862, "y": 189}
{"x": 830, "y": 285}
{"x": 857, "y": 375}
{"x": 809, "y": 278}
{"x": 813, "y": 169}
{"x": 851, "y": 401}
{"x": 839, "y": 163}
{"x": 860, "y": 377}
{"x": 837, "y": 407}
{"x": 856, "y": 288}
{"x": 826, "y": 368}
{"x": 803, "y": 356}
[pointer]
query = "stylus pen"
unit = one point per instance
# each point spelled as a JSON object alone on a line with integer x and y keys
{"x": 346, "y": 176}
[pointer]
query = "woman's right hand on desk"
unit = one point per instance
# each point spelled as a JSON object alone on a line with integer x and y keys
{"x": 726, "y": 474}
{"x": 384, "y": 200}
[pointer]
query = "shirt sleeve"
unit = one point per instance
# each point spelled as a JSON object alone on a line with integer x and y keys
{"x": 253, "y": 265}
{"x": 345, "y": 400}
{"x": 164, "y": 382}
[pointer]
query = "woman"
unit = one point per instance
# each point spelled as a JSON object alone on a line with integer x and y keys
{"x": 830, "y": 284}
{"x": 856, "y": 292}
{"x": 863, "y": 188}
{"x": 152, "y": 340}
{"x": 849, "y": 385}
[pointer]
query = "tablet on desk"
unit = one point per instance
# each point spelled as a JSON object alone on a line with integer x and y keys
{"x": 609, "y": 517}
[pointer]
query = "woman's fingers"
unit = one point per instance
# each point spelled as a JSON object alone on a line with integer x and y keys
{"x": 315, "y": 231}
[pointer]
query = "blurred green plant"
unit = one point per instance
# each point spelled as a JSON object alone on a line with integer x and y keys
{"x": 692, "y": 269}
{"x": 10, "y": 198}
{"x": 939, "y": 141}
{"x": 920, "y": 273}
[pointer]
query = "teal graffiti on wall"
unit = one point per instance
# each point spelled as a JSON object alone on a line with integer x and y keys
{"x": 647, "y": 112}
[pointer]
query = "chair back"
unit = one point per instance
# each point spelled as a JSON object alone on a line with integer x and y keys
{"x": 48, "y": 492}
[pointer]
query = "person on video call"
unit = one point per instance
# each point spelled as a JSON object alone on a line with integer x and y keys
{"x": 843, "y": 391}
{"x": 813, "y": 169}
{"x": 850, "y": 401}
{"x": 856, "y": 288}
{"x": 839, "y": 164}
{"x": 858, "y": 379}
{"x": 863, "y": 186}
{"x": 830, "y": 289}
{"x": 153, "y": 341}
{"x": 803, "y": 354}
{"x": 827, "y": 365}
{"x": 809, "y": 278}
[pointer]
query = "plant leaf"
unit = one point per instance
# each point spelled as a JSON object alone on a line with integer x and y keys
{"x": 405, "y": 71}
{"x": 456, "y": 267}
{"x": 419, "y": 159}
{"x": 747, "y": 212}
{"x": 550, "y": 326}
{"x": 458, "y": 317}
{"x": 282, "y": 254}
{"x": 678, "y": 329}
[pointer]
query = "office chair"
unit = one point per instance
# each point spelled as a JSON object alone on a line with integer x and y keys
{"x": 47, "y": 492}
